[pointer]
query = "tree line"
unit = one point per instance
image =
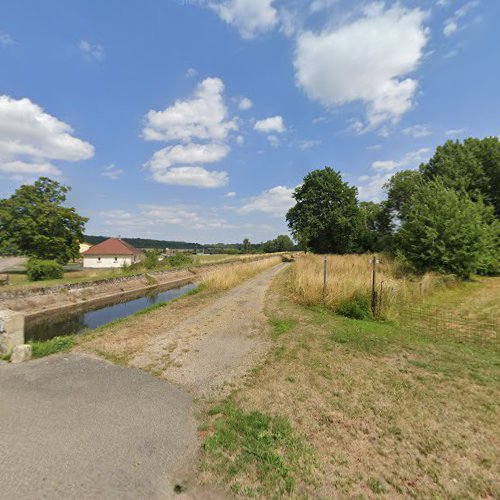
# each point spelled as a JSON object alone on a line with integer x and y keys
{"x": 442, "y": 217}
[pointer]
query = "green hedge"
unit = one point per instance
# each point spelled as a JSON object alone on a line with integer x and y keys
{"x": 39, "y": 270}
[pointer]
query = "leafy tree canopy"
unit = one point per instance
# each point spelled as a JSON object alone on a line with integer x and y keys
{"x": 445, "y": 230}
{"x": 326, "y": 212}
{"x": 36, "y": 221}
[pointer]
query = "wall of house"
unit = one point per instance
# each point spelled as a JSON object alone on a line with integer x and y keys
{"x": 107, "y": 261}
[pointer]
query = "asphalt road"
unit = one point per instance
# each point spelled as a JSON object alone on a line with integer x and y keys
{"x": 74, "y": 427}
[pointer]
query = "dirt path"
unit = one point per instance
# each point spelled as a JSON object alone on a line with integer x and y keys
{"x": 209, "y": 351}
{"x": 8, "y": 262}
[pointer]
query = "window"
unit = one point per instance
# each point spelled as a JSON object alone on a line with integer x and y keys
{"x": 116, "y": 259}
{"x": 98, "y": 260}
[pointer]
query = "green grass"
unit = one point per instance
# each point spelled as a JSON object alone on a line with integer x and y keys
{"x": 52, "y": 346}
{"x": 280, "y": 326}
{"x": 254, "y": 453}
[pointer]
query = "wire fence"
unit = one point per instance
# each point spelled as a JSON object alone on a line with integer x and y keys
{"x": 453, "y": 324}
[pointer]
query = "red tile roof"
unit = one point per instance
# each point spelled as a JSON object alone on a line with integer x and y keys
{"x": 113, "y": 246}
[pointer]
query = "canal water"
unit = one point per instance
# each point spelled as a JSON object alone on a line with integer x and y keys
{"x": 74, "y": 322}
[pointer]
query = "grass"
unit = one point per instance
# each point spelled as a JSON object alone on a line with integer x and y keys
{"x": 52, "y": 346}
{"x": 255, "y": 454}
{"x": 388, "y": 411}
{"x": 349, "y": 284}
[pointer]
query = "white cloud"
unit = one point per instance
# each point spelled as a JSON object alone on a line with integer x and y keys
{"x": 187, "y": 154}
{"x": 111, "y": 172}
{"x": 417, "y": 131}
{"x": 6, "y": 39}
{"x": 451, "y": 25}
{"x": 30, "y": 139}
{"x": 320, "y": 5}
{"x": 275, "y": 201}
{"x": 231, "y": 194}
{"x": 366, "y": 60}
{"x": 245, "y": 103}
{"x": 272, "y": 124}
{"x": 273, "y": 140}
{"x": 372, "y": 185}
{"x": 191, "y": 72}
{"x": 249, "y": 17}
{"x": 192, "y": 176}
{"x": 240, "y": 139}
{"x": 308, "y": 144}
{"x": 91, "y": 52}
{"x": 455, "y": 131}
{"x": 203, "y": 117}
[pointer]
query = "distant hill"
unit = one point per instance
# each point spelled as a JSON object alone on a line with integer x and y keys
{"x": 145, "y": 243}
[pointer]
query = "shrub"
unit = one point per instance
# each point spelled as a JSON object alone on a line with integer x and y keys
{"x": 357, "y": 308}
{"x": 39, "y": 270}
{"x": 181, "y": 259}
{"x": 151, "y": 261}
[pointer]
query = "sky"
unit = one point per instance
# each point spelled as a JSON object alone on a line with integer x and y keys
{"x": 195, "y": 120}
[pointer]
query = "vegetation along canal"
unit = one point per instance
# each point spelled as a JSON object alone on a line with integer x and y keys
{"x": 73, "y": 322}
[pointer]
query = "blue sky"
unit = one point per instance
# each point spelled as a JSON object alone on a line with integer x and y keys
{"x": 194, "y": 120}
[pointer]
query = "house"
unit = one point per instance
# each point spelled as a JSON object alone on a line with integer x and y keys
{"x": 113, "y": 252}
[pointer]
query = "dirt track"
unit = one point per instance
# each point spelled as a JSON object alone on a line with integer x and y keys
{"x": 211, "y": 350}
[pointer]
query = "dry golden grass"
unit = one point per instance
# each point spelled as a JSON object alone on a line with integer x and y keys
{"x": 350, "y": 277}
{"x": 228, "y": 277}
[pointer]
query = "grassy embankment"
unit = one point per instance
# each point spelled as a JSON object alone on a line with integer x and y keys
{"x": 120, "y": 339}
{"x": 355, "y": 408}
{"x": 18, "y": 278}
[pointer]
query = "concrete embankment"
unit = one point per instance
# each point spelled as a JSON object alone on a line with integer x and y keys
{"x": 56, "y": 299}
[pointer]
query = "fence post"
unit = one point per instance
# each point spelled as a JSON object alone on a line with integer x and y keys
{"x": 324, "y": 276}
{"x": 374, "y": 286}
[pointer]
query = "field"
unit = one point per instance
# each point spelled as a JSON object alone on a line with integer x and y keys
{"x": 345, "y": 408}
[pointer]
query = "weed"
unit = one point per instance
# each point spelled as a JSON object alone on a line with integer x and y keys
{"x": 57, "y": 344}
{"x": 281, "y": 326}
{"x": 253, "y": 446}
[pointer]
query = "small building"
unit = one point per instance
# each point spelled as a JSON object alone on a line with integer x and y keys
{"x": 113, "y": 252}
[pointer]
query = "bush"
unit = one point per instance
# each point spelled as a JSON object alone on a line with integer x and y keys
{"x": 358, "y": 307}
{"x": 181, "y": 259}
{"x": 39, "y": 270}
{"x": 151, "y": 261}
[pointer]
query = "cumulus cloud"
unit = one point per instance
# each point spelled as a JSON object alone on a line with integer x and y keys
{"x": 202, "y": 118}
{"x": 417, "y": 131}
{"x": 205, "y": 117}
{"x": 245, "y": 103}
{"x": 275, "y": 201}
{"x": 31, "y": 139}
{"x": 249, "y": 17}
{"x": 272, "y": 124}
{"x": 365, "y": 60}
{"x": 371, "y": 187}
{"x": 91, "y": 52}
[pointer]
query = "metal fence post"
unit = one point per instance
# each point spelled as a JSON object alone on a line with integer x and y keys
{"x": 374, "y": 286}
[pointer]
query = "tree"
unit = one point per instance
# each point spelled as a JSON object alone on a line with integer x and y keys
{"x": 446, "y": 231}
{"x": 400, "y": 189}
{"x": 282, "y": 243}
{"x": 326, "y": 212}
{"x": 35, "y": 220}
{"x": 376, "y": 227}
{"x": 472, "y": 166}
{"x": 246, "y": 248}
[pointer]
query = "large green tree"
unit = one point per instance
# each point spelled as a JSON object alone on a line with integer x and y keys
{"x": 376, "y": 227}
{"x": 36, "y": 221}
{"x": 446, "y": 231}
{"x": 326, "y": 213}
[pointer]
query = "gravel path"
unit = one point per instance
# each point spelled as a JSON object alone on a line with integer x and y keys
{"x": 210, "y": 351}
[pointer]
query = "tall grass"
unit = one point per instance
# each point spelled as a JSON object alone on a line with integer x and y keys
{"x": 349, "y": 281}
{"x": 228, "y": 277}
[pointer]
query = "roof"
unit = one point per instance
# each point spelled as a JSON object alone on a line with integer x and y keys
{"x": 112, "y": 246}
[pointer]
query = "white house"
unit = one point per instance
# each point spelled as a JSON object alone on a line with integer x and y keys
{"x": 113, "y": 252}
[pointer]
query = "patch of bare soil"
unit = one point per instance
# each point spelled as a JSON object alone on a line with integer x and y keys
{"x": 210, "y": 351}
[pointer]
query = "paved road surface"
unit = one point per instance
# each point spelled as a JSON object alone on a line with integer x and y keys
{"x": 8, "y": 262}
{"x": 74, "y": 427}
